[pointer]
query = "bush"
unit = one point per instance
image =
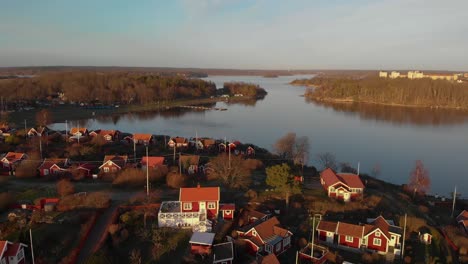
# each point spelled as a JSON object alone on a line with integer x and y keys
{"x": 176, "y": 180}
{"x": 65, "y": 187}
{"x": 5, "y": 200}
{"x": 135, "y": 177}
{"x": 94, "y": 200}
{"x": 253, "y": 164}
{"x": 27, "y": 169}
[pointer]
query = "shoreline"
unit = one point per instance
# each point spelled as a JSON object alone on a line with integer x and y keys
{"x": 351, "y": 101}
{"x": 72, "y": 113}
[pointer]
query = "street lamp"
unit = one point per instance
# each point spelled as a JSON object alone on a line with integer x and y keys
{"x": 147, "y": 171}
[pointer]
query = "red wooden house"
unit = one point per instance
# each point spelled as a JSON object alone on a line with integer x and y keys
{"x": 343, "y": 186}
{"x": 201, "y": 243}
{"x": 462, "y": 220}
{"x": 79, "y": 131}
{"x": 189, "y": 163}
{"x": 227, "y": 211}
{"x": 11, "y": 159}
{"x": 200, "y": 199}
{"x": 12, "y": 253}
{"x": 378, "y": 235}
{"x": 223, "y": 253}
{"x": 108, "y": 135}
{"x": 113, "y": 163}
{"x": 53, "y": 167}
{"x": 178, "y": 142}
{"x": 142, "y": 139}
{"x": 82, "y": 170}
{"x": 267, "y": 236}
{"x": 38, "y": 131}
{"x": 151, "y": 161}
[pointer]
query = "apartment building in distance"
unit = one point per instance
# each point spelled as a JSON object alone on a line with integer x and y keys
{"x": 418, "y": 75}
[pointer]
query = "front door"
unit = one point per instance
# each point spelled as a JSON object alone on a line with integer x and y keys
{"x": 202, "y": 206}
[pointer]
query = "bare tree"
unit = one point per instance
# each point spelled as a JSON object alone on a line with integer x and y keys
{"x": 233, "y": 174}
{"x": 43, "y": 117}
{"x": 327, "y": 160}
{"x": 65, "y": 187}
{"x": 376, "y": 170}
{"x": 346, "y": 167}
{"x": 293, "y": 148}
{"x": 419, "y": 181}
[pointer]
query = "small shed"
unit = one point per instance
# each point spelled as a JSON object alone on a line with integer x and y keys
{"x": 425, "y": 238}
{"x": 201, "y": 243}
{"x": 227, "y": 211}
{"x": 223, "y": 253}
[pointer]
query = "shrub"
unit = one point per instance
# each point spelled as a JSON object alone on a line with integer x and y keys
{"x": 65, "y": 187}
{"x": 135, "y": 177}
{"x": 175, "y": 180}
{"x": 5, "y": 200}
{"x": 92, "y": 200}
{"x": 27, "y": 169}
{"x": 253, "y": 164}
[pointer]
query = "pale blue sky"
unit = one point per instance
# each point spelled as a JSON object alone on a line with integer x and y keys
{"x": 267, "y": 34}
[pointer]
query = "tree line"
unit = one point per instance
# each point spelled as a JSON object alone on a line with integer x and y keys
{"x": 421, "y": 92}
{"x": 106, "y": 88}
{"x": 246, "y": 89}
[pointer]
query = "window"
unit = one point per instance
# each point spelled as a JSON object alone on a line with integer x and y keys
{"x": 332, "y": 189}
{"x": 211, "y": 205}
{"x": 287, "y": 240}
{"x": 254, "y": 233}
{"x": 377, "y": 234}
{"x": 377, "y": 241}
{"x": 20, "y": 255}
{"x": 278, "y": 247}
{"x": 268, "y": 248}
{"x": 106, "y": 169}
{"x": 187, "y": 206}
{"x": 349, "y": 239}
{"x": 46, "y": 172}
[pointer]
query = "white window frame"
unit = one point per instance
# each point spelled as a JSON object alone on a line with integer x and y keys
{"x": 268, "y": 248}
{"x": 377, "y": 234}
{"x": 377, "y": 242}
{"x": 211, "y": 205}
{"x": 349, "y": 239}
{"x": 287, "y": 241}
{"x": 106, "y": 169}
{"x": 254, "y": 233}
{"x": 46, "y": 171}
{"x": 187, "y": 206}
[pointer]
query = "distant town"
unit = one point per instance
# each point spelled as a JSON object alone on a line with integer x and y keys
{"x": 412, "y": 75}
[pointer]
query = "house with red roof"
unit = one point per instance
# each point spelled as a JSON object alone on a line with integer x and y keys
{"x": 379, "y": 235}
{"x": 11, "y": 159}
{"x": 82, "y": 170}
{"x": 79, "y": 131}
{"x": 113, "y": 163}
{"x": 196, "y": 208}
{"x": 38, "y": 131}
{"x": 462, "y": 220}
{"x": 108, "y": 135}
{"x": 152, "y": 162}
{"x": 342, "y": 186}
{"x": 189, "y": 163}
{"x": 178, "y": 142}
{"x": 227, "y": 211}
{"x": 142, "y": 139}
{"x": 53, "y": 167}
{"x": 266, "y": 237}
{"x": 12, "y": 253}
{"x": 201, "y": 243}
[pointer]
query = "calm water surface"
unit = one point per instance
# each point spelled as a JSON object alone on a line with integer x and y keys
{"x": 391, "y": 137}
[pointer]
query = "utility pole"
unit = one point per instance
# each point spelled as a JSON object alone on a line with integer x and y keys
{"x": 180, "y": 165}
{"x": 454, "y": 199}
{"x": 229, "y": 155}
{"x": 175, "y": 144}
{"x": 134, "y": 149}
{"x": 25, "y": 127}
{"x": 32, "y": 250}
{"x": 312, "y": 240}
{"x": 404, "y": 234}
{"x": 40, "y": 145}
{"x": 147, "y": 172}
{"x": 358, "y": 167}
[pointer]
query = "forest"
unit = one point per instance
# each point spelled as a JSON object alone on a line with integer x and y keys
{"x": 246, "y": 89}
{"x": 421, "y": 92}
{"x": 106, "y": 88}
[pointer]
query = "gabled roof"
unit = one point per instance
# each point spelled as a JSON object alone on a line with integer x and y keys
{"x": 223, "y": 251}
{"x": 199, "y": 194}
{"x": 38, "y": 130}
{"x": 327, "y": 226}
{"x": 462, "y": 216}
{"x": 61, "y": 163}
{"x": 208, "y": 141}
{"x": 346, "y": 229}
{"x": 152, "y": 161}
{"x": 105, "y": 132}
{"x": 14, "y": 156}
{"x": 270, "y": 228}
{"x": 179, "y": 140}
{"x": 142, "y": 137}
{"x": 189, "y": 159}
{"x": 3, "y": 247}
{"x": 223, "y": 207}
{"x": 331, "y": 178}
{"x": 86, "y": 166}
{"x": 202, "y": 238}
{"x": 384, "y": 226}
{"x": 120, "y": 161}
{"x": 75, "y": 130}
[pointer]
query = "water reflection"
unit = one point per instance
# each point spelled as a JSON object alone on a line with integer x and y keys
{"x": 397, "y": 114}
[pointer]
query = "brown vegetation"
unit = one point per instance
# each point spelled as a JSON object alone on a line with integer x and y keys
{"x": 421, "y": 92}
{"x": 28, "y": 168}
{"x": 65, "y": 187}
{"x": 5, "y": 200}
{"x": 232, "y": 172}
{"x": 176, "y": 180}
{"x": 135, "y": 176}
{"x": 246, "y": 89}
{"x": 90, "y": 200}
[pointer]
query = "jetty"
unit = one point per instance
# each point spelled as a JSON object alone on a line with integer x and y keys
{"x": 203, "y": 107}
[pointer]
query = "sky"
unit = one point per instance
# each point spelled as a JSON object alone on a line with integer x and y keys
{"x": 241, "y": 34}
